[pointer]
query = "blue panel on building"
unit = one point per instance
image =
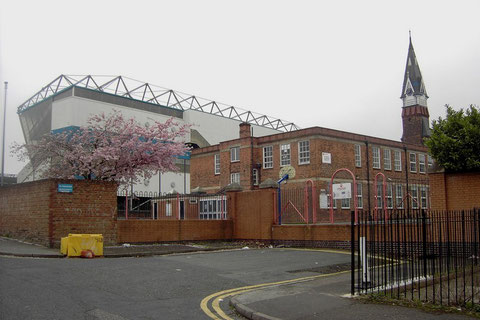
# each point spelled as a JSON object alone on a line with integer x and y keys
{"x": 65, "y": 187}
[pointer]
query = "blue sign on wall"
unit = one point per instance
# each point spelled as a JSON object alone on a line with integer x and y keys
{"x": 65, "y": 187}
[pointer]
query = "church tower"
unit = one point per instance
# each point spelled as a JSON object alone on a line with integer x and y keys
{"x": 415, "y": 115}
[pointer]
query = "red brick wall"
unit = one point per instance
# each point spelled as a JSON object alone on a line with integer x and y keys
{"x": 253, "y": 216}
{"x": 140, "y": 231}
{"x": 36, "y": 212}
{"x": 454, "y": 191}
{"x": 412, "y": 121}
{"x": 202, "y": 171}
{"x": 91, "y": 208}
{"x": 24, "y": 211}
{"x": 252, "y": 213}
{"x": 312, "y": 232}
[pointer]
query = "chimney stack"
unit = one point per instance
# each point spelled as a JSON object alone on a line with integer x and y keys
{"x": 245, "y": 130}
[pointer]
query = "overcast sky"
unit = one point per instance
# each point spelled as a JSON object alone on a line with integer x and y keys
{"x": 335, "y": 64}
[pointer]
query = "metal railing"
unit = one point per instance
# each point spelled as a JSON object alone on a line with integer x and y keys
{"x": 298, "y": 206}
{"x": 428, "y": 256}
{"x": 177, "y": 207}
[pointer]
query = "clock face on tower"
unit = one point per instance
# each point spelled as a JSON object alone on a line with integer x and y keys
{"x": 287, "y": 170}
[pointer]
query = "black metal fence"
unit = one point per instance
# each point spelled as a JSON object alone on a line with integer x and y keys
{"x": 175, "y": 207}
{"x": 138, "y": 207}
{"x": 429, "y": 256}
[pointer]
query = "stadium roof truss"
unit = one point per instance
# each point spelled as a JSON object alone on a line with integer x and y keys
{"x": 140, "y": 91}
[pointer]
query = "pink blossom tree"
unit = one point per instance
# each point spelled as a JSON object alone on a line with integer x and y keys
{"x": 109, "y": 148}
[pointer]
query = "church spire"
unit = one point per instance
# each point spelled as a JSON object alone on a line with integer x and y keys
{"x": 415, "y": 115}
{"x": 413, "y": 89}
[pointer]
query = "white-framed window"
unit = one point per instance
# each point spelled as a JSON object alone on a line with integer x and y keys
{"x": 423, "y": 197}
{"x": 359, "y": 195}
{"x": 255, "y": 177}
{"x": 387, "y": 159}
{"x": 399, "y": 196}
{"x": 234, "y": 154}
{"x": 267, "y": 157}
{"x": 414, "y": 194}
{"x": 358, "y": 156}
{"x": 329, "y": 196}
{"x": 217, "y": 163}
{"x": 389, "y": 196}
{"x": 213, "y": 209}
{"x": 413, "y": 162}
{"x": 397, "y": 160}
{"x": 285, "y": 154}
{"x": 430, "y": 161}
{"x": 304, "y": 152}
{"x": 235, "y": 177}
{"x": 345, "y": 203}
{"x": 379, "y": 202}
{"x": 376, "y": 157}
{"x": 421, "y": 163}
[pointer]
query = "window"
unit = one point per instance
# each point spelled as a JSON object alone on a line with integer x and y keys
{"x": 255, "y": 177}
{"x": 430, "y": 162}
{"x": 213, "y": 209}
{"x": 284, "y": 154}
{"x": 359, "y": 195}
{"x": 358, "y": 156}
{"x": 376, "y": 157}
{"x": 168, "y": 209}
{"x": 413, "y": 162}
{"x": 389, "y": 196}
{"x": 397, "y": 159}
{"x": 421, "y": 163}
{"x": 268, "y": 157}
{"x": 304, "y": 152}
{"x": 235, "y": 154}
{"x": 329, "y": 196}
{"x": 399, "y": 196}
{"x": 235, "y": 177}
{"x": 379, "y": 202}
{"x": 345, "y": 203}
{"x": 387, "y": 159}
{"x": 423, "y": 197}
{"x": 217, "y": 163}
{"x": 414, "y": 194}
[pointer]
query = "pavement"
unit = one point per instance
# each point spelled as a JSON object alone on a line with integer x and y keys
{"x": 325, "y": 297}
{"x": 18, "y": 248}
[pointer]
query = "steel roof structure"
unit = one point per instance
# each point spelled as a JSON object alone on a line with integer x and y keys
{"x": 148, "y": 93}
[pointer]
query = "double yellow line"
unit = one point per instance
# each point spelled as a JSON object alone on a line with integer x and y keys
{"x": 213, "y": 300}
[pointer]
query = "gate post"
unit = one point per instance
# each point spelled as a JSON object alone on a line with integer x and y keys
{"x": 424, "y": 240}
{"x": 352, "y": 253}
{"x": 285, "y": 177}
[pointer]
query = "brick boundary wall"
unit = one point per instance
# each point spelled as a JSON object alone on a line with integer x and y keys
{"x": 24, "y": 211}
{"x": 253, "y": 219}
{"x": 454, "y": 191}
{"x": 36, "y": 212}
{"x": 144, "y": 231}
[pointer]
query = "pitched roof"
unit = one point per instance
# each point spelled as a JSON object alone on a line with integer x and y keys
{"x": 413, "y": 77}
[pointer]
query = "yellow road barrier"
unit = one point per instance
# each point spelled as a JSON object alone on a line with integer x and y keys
{"x": 87, "y": 245}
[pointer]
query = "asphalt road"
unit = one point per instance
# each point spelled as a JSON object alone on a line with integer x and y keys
{"x": 162, "y": 287}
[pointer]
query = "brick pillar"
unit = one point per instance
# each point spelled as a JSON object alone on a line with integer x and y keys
{"x": 438, "y": 191}
{"x": 245, "y": 130}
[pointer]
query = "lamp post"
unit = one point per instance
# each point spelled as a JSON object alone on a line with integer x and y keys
{"x": 3, "y": 135}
